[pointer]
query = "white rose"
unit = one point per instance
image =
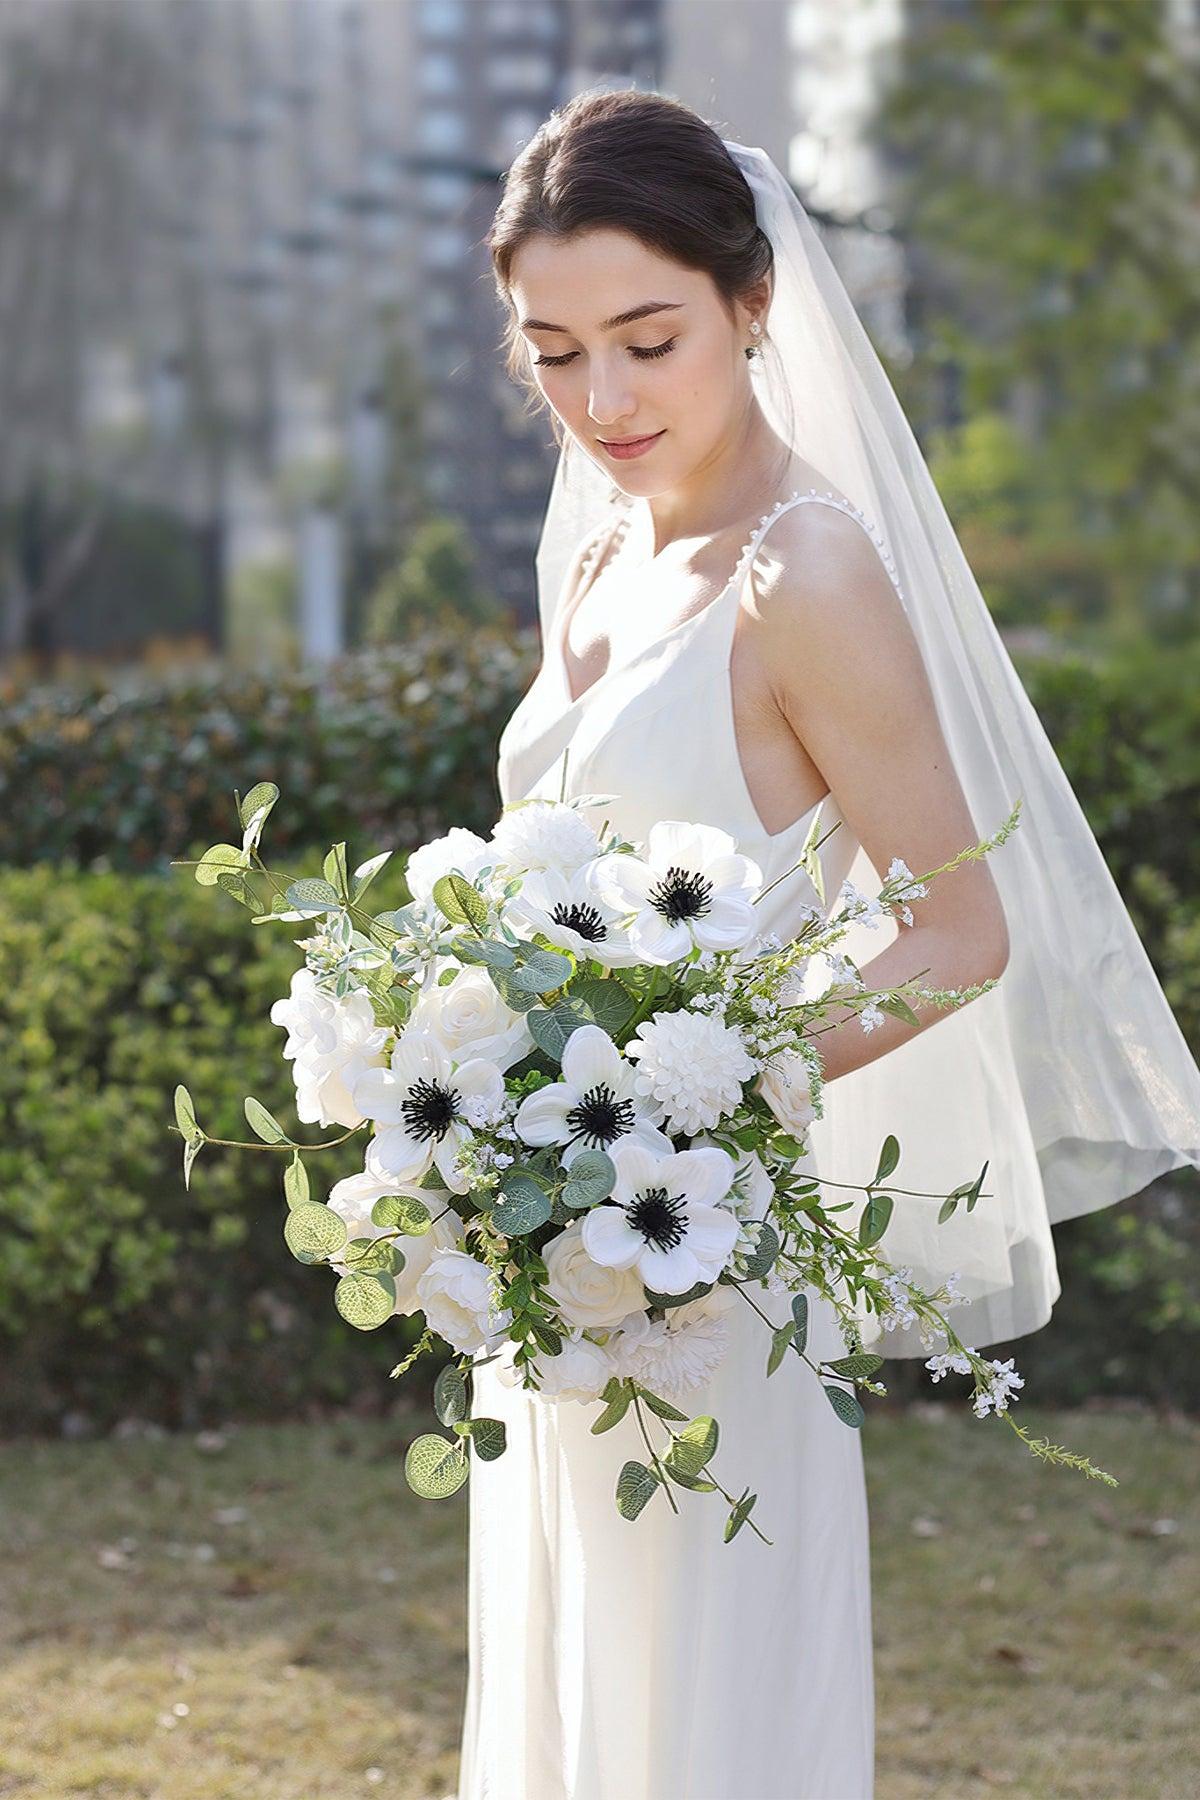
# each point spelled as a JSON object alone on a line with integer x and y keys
{"x": 471, "y": 1020}
{"x": 331, "y": 1040}
{"x": 580, "y": 1371}
{"x": 784, "y": 1085}
{"x": 458, "y": 849}
{"x": 454, "y": 1293}
{"x": 588, "y": 1293}
{"x": 352, "y": 1200}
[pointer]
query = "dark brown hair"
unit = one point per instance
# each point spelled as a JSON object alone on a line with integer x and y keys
{"x": 633, "y": 161}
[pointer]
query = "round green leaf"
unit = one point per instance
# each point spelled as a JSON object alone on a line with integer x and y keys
{"x": 220, "y": 856}
{"x": 450, "y": 1395}
{"x": 434, "y": 1468}
{"x": 313, "y": 1233}
{"x": 522, "y": 1206}
{"x": 402, "y": 1212}
{"x": 365, "y": 1301}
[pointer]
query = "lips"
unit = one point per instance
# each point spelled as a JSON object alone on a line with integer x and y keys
{"x": 630, "y": 446}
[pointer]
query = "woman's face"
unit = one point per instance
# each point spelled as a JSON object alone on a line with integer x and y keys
{"x": 676, "y": 372}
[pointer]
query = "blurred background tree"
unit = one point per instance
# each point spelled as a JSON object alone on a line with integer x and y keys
{"x": 1047, "y": 163}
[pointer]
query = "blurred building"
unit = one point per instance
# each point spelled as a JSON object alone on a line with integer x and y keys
{"x": 267, "y": 309}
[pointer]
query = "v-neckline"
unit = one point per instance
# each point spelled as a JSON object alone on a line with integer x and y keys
{"x": 561, "y": 623}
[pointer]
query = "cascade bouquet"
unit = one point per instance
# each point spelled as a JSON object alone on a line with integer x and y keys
{"x": 583, "y": 1081}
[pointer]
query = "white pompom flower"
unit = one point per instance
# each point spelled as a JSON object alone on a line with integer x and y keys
{"x": 595, "y": 1106}
{"x": 331, "y": 1041}
{"x": 691, "y": 1065}
{"x": 692, "y": 887}
{"x": 424, "y": 1108}
{"x": 665, "y": 1219}
{"x": 673, "y": 1357}
{"x": 542, "y": 834}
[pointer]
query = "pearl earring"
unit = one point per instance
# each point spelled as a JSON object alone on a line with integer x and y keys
{"x": 755, "y": 349}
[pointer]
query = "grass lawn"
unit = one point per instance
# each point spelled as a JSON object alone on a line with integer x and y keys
{"x": 191, "y": 1623}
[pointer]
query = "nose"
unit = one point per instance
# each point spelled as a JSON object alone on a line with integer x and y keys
{"x": 609, "y": 399}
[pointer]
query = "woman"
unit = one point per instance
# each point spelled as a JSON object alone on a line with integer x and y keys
{"x": 754, "y": 611}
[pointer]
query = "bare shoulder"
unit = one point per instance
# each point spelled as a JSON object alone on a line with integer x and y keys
{"x": 814, "y": 558}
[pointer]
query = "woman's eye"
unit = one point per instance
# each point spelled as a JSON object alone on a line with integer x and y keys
{"x": 558, "y": 362}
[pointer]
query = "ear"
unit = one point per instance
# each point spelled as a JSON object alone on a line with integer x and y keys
{"x": 755, "y": 302}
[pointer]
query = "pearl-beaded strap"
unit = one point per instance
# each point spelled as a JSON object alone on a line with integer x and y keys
{"x": 827, "y": 498}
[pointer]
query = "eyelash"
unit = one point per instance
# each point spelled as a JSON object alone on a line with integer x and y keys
{"x": 642, "y": 355}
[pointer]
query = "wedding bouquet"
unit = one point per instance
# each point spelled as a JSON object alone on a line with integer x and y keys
{"x": 584, "y": 1080}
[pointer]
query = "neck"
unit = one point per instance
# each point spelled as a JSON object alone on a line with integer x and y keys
{"x": 738, "y": 478}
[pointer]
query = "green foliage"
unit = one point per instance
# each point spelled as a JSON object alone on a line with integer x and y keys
{"x": 388, "y": 749}
{"x": 119, "y": 1290}
{"x": 1046, "y": 156}
{"x": 434, "y": 580}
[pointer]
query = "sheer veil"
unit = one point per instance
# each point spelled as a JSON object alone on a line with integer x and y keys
{"x": 1071, "y": 1077}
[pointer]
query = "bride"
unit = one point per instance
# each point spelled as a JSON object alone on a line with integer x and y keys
{"x": 755, "y": 613}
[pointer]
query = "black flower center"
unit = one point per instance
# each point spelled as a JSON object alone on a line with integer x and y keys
{"x": 659, "y": 1216}
{"x": 583, "y": 919}
{"x": 681, "y": 894}
{"x": 428, "y": 1109}
{"x": 598, "y": 1117}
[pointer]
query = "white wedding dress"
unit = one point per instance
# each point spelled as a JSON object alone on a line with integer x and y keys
{"x": 648, "y": 1659}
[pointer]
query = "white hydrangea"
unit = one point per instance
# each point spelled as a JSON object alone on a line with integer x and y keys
{"x": 331, "y": 1042}
{"x": 692, "y": 1065}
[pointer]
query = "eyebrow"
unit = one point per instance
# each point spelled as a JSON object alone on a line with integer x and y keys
{"x": 625, "y": 318}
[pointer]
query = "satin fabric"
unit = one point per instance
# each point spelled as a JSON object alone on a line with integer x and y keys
{"x": 648, "y": 1659}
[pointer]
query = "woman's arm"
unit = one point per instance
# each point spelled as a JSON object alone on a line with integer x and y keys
{"x": 850, "y": 681}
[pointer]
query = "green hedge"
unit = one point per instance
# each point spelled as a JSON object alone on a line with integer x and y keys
{"x": 120, "y": 1291}
{"x": 387, "y": 749}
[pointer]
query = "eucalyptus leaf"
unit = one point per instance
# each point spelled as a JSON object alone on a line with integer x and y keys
{"x": 662, "y": 1407}
{"x": 365, "y": 1301}
{"x": 541, "y": 971}
{"x": 489, "y": 1438}
{"x": 185, "y": 1116}
{"x": 190, "y": 1152}
{"x": 219, "y": 856}
{"x": 295, "y": 1182}
{"x": 613, "y": 1413}
{"x": 609, "y": 1002}
{"x": 780, "y": 1339}
{"x": 523, "y": 1206}
{"x": 874, "y": 1220}
{"x": 740, "y": 1513}
{"x": 862, "y": 1364}
{"x": 312, "y": 896}
{"x": 403, "y": 1212}
{"x": 635, "y": 1485}
{"x": 366, "y": 872}
{"x": 313, "y": 1232}
{"x": 800, "y": 1315}
{"x": 261, "y": 1123}
{"x": 450, "y": 1400}
{"x": 889, "y": 1156}
{"x": 551, "y": 1026}
{"x": 434, "y": 1468}
{"x": 844, "y": 1405}
{"x": 590, "y": 1179}
{"x": 766, "y": 1250}
{"x": 260, "y": 799}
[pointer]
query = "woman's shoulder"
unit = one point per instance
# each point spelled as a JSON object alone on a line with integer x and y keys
{"x": 818, "y": 545}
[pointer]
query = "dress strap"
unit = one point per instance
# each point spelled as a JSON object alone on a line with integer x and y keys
{"x": 799, "y": 497}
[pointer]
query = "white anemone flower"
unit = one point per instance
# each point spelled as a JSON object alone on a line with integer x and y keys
{"x": 666, "y": 1219}
{"x": 595, "y": 1106}
{"x": 543, "y": 834}
{"x": 458, "y": 849}
{"x": 568, "y": 911}
{"x": 425, "y": 1107}
{"x": 692, "y": 887}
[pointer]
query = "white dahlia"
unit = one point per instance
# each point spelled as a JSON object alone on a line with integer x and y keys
{"x": 692, "y": 1066}
{"x": 543, "y": 835}
{"x": 691, "y": 887}
{"x": 673, "y": 1359}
